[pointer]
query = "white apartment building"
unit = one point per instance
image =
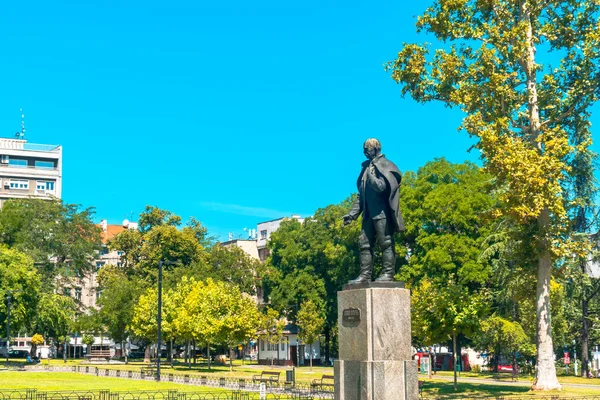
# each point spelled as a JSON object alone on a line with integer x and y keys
{"x": 29, "y": 170}
{"x": 265, "y": 229}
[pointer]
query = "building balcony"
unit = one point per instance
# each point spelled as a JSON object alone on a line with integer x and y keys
{"x": 11, "y": 166}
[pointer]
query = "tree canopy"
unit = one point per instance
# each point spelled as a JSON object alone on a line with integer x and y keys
{"x": 525, "y": 74}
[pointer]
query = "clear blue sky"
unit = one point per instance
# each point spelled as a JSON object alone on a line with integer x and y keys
{"x": 233, "y": 112}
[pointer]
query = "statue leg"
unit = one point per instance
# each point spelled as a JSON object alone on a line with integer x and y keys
{"x": 385, "y": 237}
{"x": 366, "y": 242}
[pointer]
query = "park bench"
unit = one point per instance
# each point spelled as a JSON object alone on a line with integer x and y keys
{"x": 501, "y": 374}
{"x": 148, "y": 371}
{"x": 98, "y": 355}
{"x": 268, "y": 377}
{"x": 326, "y": 382}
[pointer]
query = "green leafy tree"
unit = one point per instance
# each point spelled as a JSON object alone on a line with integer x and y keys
{"x": 56, "y": 316}
{"x": 445, "y": 208}
{"x": 313, "y": 260}
{"x": 310, "y": 322}
{"x": 20, "y": 280}
{"x": 152, "y": 217}
{"x": 233, "y": 313}
{"x": 233, "y": 265}
{"x": 503, "y": 337}
{"x": 441, "y": 311}
{"x": 271, "y": 328}
{"x": 144, "y": 322}
{"x": 522, "y": 103}
{"x": 88, "y": 340}
{"x": 117, "y": 301}
{"x": 61, "y": 238}
{"x": 160, "y": 238}
{"x": 36, "y": 340}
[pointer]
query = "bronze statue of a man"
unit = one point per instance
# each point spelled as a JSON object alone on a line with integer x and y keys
{"x": 378, "y": 201}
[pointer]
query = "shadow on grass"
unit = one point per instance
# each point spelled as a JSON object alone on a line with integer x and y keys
{"x": 445, "y": 390}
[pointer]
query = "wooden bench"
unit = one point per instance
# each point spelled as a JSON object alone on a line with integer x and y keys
{"x": 270, "y": 377}
{"x": 326, "y": 381}
{"x": 148, "y": 371}
{"x": 498, "y": 375}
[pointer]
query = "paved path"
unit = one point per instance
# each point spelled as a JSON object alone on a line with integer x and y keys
{"x": 521, "y": 382}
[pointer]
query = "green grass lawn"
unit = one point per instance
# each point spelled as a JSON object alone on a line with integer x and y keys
{"x": 245, "y": 370}
{"x": 73, "y": 381}
{"x": 445, "y": 389}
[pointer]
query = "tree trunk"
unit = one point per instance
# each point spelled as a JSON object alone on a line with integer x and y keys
{"x": 208, "y": 354}
{"x": 194, "y": 347}
{"x": 545, "y": 373}
{"x": 584, "y": 332}
{"x": 187, "y": 354}
{"x": 124, "y": 351}
{"x": 230, "y": 359}
{"x": 310, "y": 356}
{"x": 147, "y": 355}
{"x": 455, "y": 360}
{"x": 65, "y": 349}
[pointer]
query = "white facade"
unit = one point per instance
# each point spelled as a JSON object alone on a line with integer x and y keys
{"x": 29, "y": 170}
{"x": 289, "y": 351}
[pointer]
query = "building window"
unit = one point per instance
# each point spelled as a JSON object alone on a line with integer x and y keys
{"x": 45, "y": 185}
{"x": 263, "y": 234}
{"x": 78, "y": 294}
{"x": 67, "y": 291}
{"x": 21, "y": 184}
{"x": 283, "y": 346}
{"x": 262, "y": 345}
{"x": 17, "y": 162}
{"x": 98, "y": 294}
{"x": 44, "y": 164}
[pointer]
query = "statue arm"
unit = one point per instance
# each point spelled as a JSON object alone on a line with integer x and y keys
{"x": 377, "y": 183}
{"x": 355, "y": 210}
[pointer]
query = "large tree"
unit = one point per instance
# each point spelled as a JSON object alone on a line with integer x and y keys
{"x": 310, "y": 322}
{"x": 446, "y": 208}
{"x": 523, "y": 72}
{"x": 61, "y": 238}
{"x": 119, "y": 294}
{"x": 312, "y": 261}
{"x": 20, "y": 281}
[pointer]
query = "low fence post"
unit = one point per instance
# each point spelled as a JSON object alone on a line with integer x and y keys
{"x": 104, "y": 394}
{"x": 30, "y": 394}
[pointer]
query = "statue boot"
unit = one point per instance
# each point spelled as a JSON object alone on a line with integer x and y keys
{"x": 366, "y": 264}
{"x": 388, "y": 262}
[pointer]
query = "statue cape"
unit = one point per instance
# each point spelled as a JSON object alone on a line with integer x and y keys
{"x": 393, "y": 177}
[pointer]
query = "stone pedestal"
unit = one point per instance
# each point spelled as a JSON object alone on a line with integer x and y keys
{"x": 374, "y": 344}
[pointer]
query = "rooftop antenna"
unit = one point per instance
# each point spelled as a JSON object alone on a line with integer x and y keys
{"x": 22, "y": 123}
{"x": 21, "y": 135}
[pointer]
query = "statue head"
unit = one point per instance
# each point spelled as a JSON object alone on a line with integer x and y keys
{"x": 371, "y": 148}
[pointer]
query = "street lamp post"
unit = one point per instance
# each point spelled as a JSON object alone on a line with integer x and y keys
{"x": 159, "y": 319}
{"x": 160, "y": 270}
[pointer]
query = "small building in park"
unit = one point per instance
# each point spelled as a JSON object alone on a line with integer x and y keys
{"x": 289, "y": 351}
